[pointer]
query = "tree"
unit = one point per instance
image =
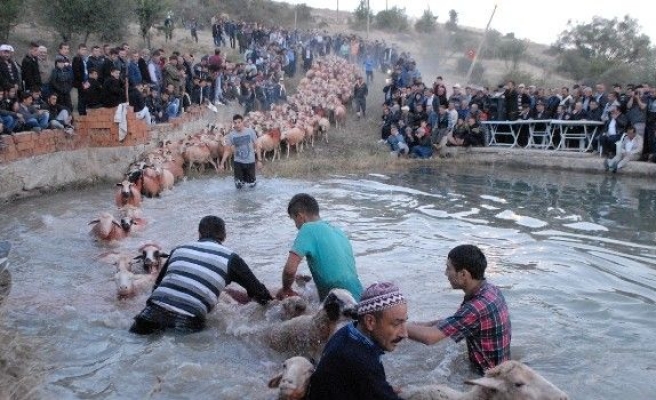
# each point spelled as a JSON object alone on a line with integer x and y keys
{"x": 393, "y": 19}
{"x": 605, "y": 43}
{"x": 84, "y": 17}
{"x": 512, "y": 50}
{"x": 360, "y": 15}
{"x": 9, "y": 13}
{"x": 452, "y": 23}
{"x": 148, "y": 13}
{"x": 427, "y": 22}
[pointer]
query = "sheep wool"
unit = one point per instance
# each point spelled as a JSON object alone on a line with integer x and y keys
{"x": 379, "y": 297}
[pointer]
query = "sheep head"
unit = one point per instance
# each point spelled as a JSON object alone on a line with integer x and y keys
{"x": 340, "y": 303}
{"x": 294, "y": 379}
{"x": 512, "y": 380}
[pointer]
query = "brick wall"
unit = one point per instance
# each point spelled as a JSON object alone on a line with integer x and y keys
{"x": 96, "y": 129}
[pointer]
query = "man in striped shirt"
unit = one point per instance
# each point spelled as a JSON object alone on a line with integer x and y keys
{"x": 482, "y": 319}
{"x": 189, "y": 284}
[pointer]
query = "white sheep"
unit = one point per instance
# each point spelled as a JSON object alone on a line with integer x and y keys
{"x": 292, "y": 382}
{"x": 510, "y": 380}
{"x": 307, "y": 334}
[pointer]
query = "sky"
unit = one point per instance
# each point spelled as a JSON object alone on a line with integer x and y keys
{"x": 540, "y": 22}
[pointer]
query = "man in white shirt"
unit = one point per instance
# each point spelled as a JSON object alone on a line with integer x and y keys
{"x": 629, "y": 148}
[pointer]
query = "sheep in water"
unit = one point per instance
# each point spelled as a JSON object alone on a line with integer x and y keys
{"x": 510, "y": 380}
{"x": 307, "y": 334}
{"x": 293, "y": 382}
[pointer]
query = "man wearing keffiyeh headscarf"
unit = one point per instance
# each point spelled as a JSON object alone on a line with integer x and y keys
{"x": 350, "y": 367}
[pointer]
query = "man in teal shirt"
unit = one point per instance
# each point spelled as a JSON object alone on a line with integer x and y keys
{"x": 327, "y": 248}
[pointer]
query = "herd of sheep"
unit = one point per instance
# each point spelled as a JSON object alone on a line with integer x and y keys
{"x": 295, "y": 325}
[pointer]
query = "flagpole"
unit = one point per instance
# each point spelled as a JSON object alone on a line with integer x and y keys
{"x": 480, "y": 47}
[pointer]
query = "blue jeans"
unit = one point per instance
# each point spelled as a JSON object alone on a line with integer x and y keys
{"x": 40, "y": 121}
{"x": 8, "y": 122}
{"x": 422, "y": 151}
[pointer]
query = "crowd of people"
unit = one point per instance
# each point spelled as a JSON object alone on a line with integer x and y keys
{"x": 160, "y": 85}
{"x": 420, "y": 118}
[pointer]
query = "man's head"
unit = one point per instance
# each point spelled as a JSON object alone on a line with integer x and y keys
{"x": 464, "y": 264}
{"x": 26, "y": 98}
{"x": 52, "y": 98}
{"x": 34, "y": 49}
{"x": 630, "y": 131}
{"x": 238, "y": 122}
{"x": 302, "y": 208}
{"x": 382, "y": 314}
{"x": 212, "y": 227}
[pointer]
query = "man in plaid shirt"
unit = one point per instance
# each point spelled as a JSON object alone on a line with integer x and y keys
{"x": 482, "y": 319}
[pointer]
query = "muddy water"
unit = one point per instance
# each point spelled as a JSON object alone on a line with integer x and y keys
{"x": 575, "y": 256}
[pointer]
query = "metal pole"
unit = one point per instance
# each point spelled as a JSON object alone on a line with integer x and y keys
{"x": 368, "y": 13}
{"x": 295, "y": 16}
{"x": 480, "y": 47}
{"x": 386, "y": 8}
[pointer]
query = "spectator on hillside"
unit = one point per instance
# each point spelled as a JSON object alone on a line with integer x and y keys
{"x": 171, "y": 76}
{"x": 137, "y": 101}
{"x": 80, "y": 76}
{"x": 636, "y": 105}
{"x": 396, "y": 141}
{"x": 110, "y": 61}
{"x": 154, "y": 71}
{"x": 629, "y": 148}
{"x": 9, "y": 72}
{"x": 30, "y": 67}
{"x": 144, "y": 58}
{"x": 34, "y": 119}
{"x": 511, "y": 98}
{"x": 61, "y": 82}
{"x": 134, "y": 73}
{"x": 45, "y": 68}
{"x": 92, "y": 92}
{"x": 423, "y": 148}
{"x": 58, "y": 115}
{"x": 10, "y": 119}
{"x": 215, "y": 62}
{"x": 95, "y": 61}
{"x": 614, "y": 129}
{"x": 113, "y": 92}
{"x": 594, "y": 111}
{"x": 193, "y": 28}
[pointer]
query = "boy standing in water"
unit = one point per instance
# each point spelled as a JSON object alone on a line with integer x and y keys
{"x": 482, "y": 319}
{"x": 242, "y": 140}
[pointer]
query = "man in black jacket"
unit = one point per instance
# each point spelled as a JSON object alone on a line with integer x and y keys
{"x": 30, "y": 67}
{"x": 80, "y": 76}
{"x": 113, "y": 90}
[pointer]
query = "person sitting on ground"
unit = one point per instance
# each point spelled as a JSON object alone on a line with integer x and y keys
{"x": 137, "y": 101}
{"x": 629, "y": 148}
{"x": 9, "y": 118}
{"x": 34, "y": 119}
{"x": 59, "y": 117}
{"x": 423, "y": 147}
{"x": 188, "y": 286}
{"x": 397, "y": 142}
{"x": 350, "y": 367}
{"x": 482, "y": 320}
{"x": 614, "y": 129}
{"x": 474, "y": 135}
